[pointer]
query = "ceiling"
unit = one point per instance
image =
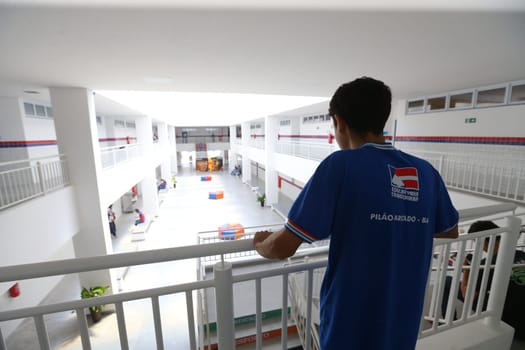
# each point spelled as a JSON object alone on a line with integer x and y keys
{"x": 283, "y": 47}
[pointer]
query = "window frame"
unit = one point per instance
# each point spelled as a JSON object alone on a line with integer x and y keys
{"x": 511, "y": 85}
{"x": 427, "y": 98}
{"x": 460, "y": 92}
{"x": 424, "y": 107}
{"x": 492, "y": 87}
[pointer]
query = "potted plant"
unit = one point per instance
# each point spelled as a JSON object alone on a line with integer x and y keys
{"x": 95, "y": 311}
{"x": 261, "y": 198}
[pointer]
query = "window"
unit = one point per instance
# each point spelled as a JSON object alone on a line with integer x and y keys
{"x": 40, "y": 110}
{"x": 99, "y": 120}
{"x": 491, "y": 97}
{"x": 29, "y": 108}
{"x": 460, "y": 100}
{"x": 416, "y": 106}
{"x": 120, "y": 124}
{"x": 436, "y": 103}
{"x": 130, "y": 125}
{"x": 49, "y": 112}
{"x": 517, "y": 94}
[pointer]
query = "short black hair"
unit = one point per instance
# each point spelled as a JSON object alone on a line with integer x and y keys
{"x": 483, "y": 225}
{"x": 364, "y": 104}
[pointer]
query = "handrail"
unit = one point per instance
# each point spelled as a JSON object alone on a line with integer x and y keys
{"x": 245, "y": 227}
{"x": 126, "y": 145}
{"x": 66, "y": 266}
{"x": 61, "y": 267}
{"x": 59, "y": 156}
{"x": 102, "y": 300}
{"x": 36, "y": 177}
{"x": 472, "y": 213}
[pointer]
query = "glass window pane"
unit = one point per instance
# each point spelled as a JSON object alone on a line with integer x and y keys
{"x": 518, "y": 93}
{"x": 491, "y": 97}
{"x": 415, "y": 106}
{"x": 29, "y": 108}
{"x": 49, "y": 112}
{"x": 40, "y": 110}
{"x": 436, "y": 103}
{"x": 461, "y": 100}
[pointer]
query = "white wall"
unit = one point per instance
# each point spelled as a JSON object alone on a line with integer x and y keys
{"x": 11, "y": 128}
{"x": 38, "y": 230}
{"x": 507, "y": 121}
{"x": 290, "y": 190}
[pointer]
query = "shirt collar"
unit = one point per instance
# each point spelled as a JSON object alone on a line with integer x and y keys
{"x": 383, "y": 146}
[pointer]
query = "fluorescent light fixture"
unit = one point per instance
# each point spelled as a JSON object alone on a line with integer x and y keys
{"x": 207, "y": 109}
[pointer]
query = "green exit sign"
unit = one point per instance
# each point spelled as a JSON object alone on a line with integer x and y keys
{"x": 470, "y": 120}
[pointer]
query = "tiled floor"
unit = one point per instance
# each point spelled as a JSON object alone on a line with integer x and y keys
{"x": 184, "y": 211}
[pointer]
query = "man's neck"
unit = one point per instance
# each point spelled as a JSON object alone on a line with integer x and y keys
{"x": 357, "y": 140}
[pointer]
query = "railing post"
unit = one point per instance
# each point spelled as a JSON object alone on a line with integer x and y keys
{"x": 40, "y": 177}
{"x": 222, "y": 272}
{"x": 502, "y": 272}
{"x": 440, "y": 169}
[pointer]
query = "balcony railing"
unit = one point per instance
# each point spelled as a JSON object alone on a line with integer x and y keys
{"x": 26, "y": 179}
{"x": 303, "y": 301}
{"x": 310, "y": 150}
{"x": 486, "y": 175}
{"x": 114, "y": 155}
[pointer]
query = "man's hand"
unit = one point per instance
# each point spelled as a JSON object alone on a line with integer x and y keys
{"x": 260, "y": 237}
{"x": 276, "y": 245}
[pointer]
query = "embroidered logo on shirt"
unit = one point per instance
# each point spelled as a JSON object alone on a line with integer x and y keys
{"x": 405, "y": 183}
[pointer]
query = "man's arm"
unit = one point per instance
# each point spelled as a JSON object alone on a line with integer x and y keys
{"x": 454, "y": 233}
{"x": 276, "y": 245}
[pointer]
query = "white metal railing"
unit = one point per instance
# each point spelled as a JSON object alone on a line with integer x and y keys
{"x": 311, "y": 150}
{"x": 223, "y": 282}
{"x": 212, "y": 236}
{"x": 500, "y": 177}
{"x": 112, "y": 156}
{"x": 26, "y": 179}
{"x": 258, "y": 142}
{"x": 449, "y": 263}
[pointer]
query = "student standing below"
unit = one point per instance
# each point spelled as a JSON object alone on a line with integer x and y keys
{"x": 111, "y": 218}
{"x": 381, "y": 209}
{"x": 139, "y": 217}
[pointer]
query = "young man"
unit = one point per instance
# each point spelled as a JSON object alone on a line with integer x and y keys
{"x": 381, "y": 209}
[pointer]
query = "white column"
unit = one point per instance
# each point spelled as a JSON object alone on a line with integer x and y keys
{"x": 173, "y": 149}
{"x": 76, "y": 129}
{"x": 246, "y": 168}
{"x": 270, "y": 176}
{"x": 148, "y": 186}
{"x": 164, "y": 143}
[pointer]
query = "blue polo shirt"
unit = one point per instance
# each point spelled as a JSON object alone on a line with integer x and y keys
{"x": 381, "y": 208}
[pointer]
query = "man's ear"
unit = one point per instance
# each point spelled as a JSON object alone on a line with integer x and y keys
{"x": 340, "y": 123}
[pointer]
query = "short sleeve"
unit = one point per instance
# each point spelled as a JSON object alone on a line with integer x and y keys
{"x": 312, "y": 213}
{"x": 447, "y": 216}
